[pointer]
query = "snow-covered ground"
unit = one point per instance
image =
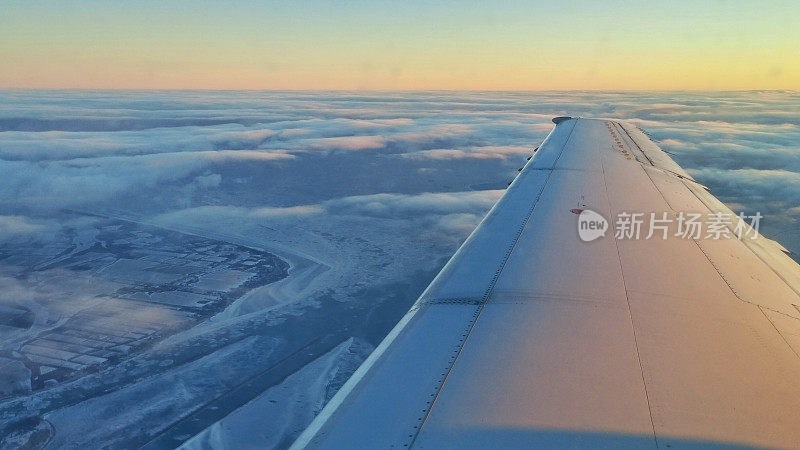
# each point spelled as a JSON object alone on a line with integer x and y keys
{"x": 279, "y": 414}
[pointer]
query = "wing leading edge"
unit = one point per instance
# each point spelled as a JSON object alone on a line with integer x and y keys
{"x": 530, "y": 336}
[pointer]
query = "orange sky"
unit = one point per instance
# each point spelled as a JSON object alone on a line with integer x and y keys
{"x": 389, "y": 45}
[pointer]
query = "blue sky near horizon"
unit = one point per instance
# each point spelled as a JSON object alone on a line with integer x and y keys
{"x": 707, "y": 45}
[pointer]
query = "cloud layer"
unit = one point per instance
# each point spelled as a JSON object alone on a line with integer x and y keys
{"x": 398, "y": 156}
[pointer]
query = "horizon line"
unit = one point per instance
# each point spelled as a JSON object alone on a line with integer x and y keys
{"x": 383, "y": 90}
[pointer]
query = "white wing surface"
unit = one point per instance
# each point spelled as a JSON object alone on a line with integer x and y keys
{"x": 531, "y": 337}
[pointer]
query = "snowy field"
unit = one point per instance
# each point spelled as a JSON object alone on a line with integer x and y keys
{"x": 206, "y": 268}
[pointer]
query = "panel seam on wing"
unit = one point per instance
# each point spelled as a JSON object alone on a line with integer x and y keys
{"x": 485, "y": 297}
{"x": 630, "y": 312}
{"x": 766, "y": 263}
{"x": 649, "y": 160}
{"x": 728, "y": 282}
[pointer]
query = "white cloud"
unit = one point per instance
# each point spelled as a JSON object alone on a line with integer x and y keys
{"x": 65, "y": 151}
{"x": 208, "y": 181}
{"x": 460, "y": 224}
{"x": 381, "y": 123}
{"x": 21, "y": 226}
{"x": 437, "y": 132}
{"x": 231, "y": 155}
{"x": 485, "y": 152}
{"x": 402, "y": 205}
{"x": 228, "y": 214}
{"x": 349, "y": 142}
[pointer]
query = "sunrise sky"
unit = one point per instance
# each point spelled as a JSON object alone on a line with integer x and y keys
{"x": 410, "y": 45}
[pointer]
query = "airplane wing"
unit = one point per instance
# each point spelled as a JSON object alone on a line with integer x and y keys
{"x": 531, "y": 336}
